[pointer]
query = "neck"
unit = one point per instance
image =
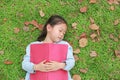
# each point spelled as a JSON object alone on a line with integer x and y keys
{"x": 47, "y": 40}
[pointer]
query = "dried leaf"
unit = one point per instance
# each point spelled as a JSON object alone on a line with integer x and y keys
{"x": 113, "y": 2}
{"x": 84, "y": 70}
{"x": 5, "y": 19}
{"x": 76, "y": 51}
{"x": 16, "y": 30}
{"x": 93, "y": 35}
{"x": 26, "y": 28}
{"x": 83, "y": 9}
{"x": 83, "y": 42}
{"x": 115, "y": 39}
{"x": 92, "y": 20}
{"x": 93, "y": 54}
{"x": 76, "y": 77}
{"x": 80, "y": 1}
{"x": 76, "y": 57}
{"x": 26, "y": 23}
{"x": 98, "y": 32}
{"x": 112, "y": 8}
{"x": 119, "y": 36}
{"x": 83, "y": 35}
{"x": 1, "y": 52}
{"x": 111, "y": 36}
{"x": 116, "y": 22}
{"x": 22, "y": 79}
{"x": 8, "y": 62}
{"x": 94, "y": 27}
{"x": 117, "y": 53}
{"x": 74, "y": 25}
{"x": 93, "y": 1}
{"x": 42, "y": 14}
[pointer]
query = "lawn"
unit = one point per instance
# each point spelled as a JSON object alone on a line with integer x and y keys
{"x": 99, "y": 59}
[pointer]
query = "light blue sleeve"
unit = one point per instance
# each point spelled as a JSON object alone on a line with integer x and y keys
{"x": 26, "y": 64}
{"x": 70, "y": 62}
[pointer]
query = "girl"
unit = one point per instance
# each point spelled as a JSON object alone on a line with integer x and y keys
{"x": 53, "y": 32}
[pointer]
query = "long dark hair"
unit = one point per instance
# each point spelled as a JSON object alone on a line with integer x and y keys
{"x": 53, "y": 20}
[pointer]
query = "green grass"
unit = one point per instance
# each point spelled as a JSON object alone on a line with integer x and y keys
{"x": 13, "y": 14}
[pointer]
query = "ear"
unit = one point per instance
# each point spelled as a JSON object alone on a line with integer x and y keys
{"x": 49, "y": 27}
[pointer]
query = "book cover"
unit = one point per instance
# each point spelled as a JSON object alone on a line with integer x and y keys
{"x": 49, "y": 52}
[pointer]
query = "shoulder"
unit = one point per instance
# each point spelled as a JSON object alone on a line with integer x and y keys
{"x": 64, "y": 42}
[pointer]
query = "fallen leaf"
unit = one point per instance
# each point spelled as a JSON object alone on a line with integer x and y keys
{"x": 42, "y": 14}
{"x": 113, "y": 2}
{"x": 26, "y": 23}
{"x": 8, "y": 62}
{"x": 80, "y": 1}
{"x": 16, "y": 30}
{"x": 83, "y": 42}
{"x": 112, "y": 8}
{"x": 26, "y": 28}
{"x": 94, "y": 27}
{"x": 74, "y": 25}
{"x": 119, "y": 36}
{"x": 92, "y": 20}
{"x": 98, "y": 32}
{"x": 76, "y": 51}
{"x": 83, "y": 35}
{"x": 115, "y": 39}
{"x": 116, "y": 22}
{"x": 83, "y": 70}
{"x": 1, "y": 52}
{"x": 111, "y": 36}
{"x": 22, "y": 79}
{"x": 92, "y": 1}
{"x": 93, "y": 35}
{"x": 76, "y": 77}
{"x": 93, "y": 54}
{"x": 83, "y": 9}
{"x": 117, "y": 53}
{"x": 5, "y": 19}
{"x": 76, "y": 57}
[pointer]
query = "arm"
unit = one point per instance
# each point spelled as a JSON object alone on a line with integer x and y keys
{"x": 70, "y": 62}
{"x": 26, "y": 64}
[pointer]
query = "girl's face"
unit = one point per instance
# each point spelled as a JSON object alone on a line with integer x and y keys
{"x": 57, "y": 32}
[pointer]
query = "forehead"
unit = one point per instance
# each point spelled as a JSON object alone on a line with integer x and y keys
{"x": 61, "y": 26}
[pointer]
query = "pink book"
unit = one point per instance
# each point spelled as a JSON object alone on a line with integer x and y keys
{"x": 50, "y": 52}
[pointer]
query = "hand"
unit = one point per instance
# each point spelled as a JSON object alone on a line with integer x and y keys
{"x": 42, "y": 66}
{"x": 53, "y": 65}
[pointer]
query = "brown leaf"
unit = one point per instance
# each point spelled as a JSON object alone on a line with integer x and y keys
{"x": 117, "y": 53}
{"x": 36, "y": 24}
{"x": 84, "y": 9}
{"x": 22, "y": 79}
{"x": 76, "y": 57}
{"x": 26, "y": 23}
{"x": 1, "y": 52}
{"x": 116, "y": 39}
{"x": 83, "y": 70}
{"x": 76, "y": 51}
{"x": 93, "y": 54}
{"x": 8, "y": 62}
{"x": 74, "y": 25}
{"x": 92, "y": 20}
{"x": 83, "y": 35}
{"x": 76, "y": 77}
{"x": 26, "y": 28}
{"x": 119, "y": 36}
{"x": 111, "y": 36}
{"x": 5, "y": 19}
{"x": 98, "y": 32}
{"x": 80, "y": 1}
{"x": 113, "y": 2}
{"x": 93, "y": 35}
{"x": 42, "y": 14}
{"x": 83, "y": 42}
{"x": 94, "y": 27}
{"x": 93, "y": 1}
{"x": 112, "y": 8}
{"x": 116, "y": 22}
{"x": 16, "y": 30}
